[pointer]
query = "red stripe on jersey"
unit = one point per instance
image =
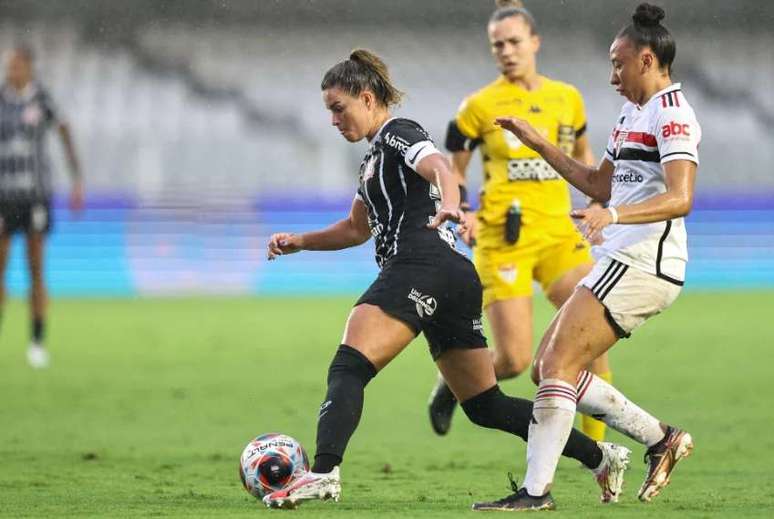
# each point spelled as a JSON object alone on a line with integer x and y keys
{"x": 663, "y": 101}
{"x": 677, "y": 98}
{"x": 641, "y": 138}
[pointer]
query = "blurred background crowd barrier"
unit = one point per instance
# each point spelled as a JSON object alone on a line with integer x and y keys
{"x": 202, "y": 131}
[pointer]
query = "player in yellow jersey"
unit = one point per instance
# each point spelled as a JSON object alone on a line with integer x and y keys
{"x": 522, "y": 231}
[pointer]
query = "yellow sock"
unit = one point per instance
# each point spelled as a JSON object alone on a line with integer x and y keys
{"x": 592, "y": 428}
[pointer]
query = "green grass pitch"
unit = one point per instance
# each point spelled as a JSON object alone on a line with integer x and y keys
{"x": 148, "y": 404}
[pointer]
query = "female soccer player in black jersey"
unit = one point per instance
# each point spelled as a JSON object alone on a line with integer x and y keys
{"x": 27, "y": 113}
{"x": 406, "y": 195}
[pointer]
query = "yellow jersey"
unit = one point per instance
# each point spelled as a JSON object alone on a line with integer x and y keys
{"x": 512, "y": 171}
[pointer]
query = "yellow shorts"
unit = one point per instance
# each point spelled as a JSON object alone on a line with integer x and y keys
{"x": 508, "y": 271}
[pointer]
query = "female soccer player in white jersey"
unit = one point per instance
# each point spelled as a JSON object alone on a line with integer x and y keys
{"x": 647, "y": 176}
{"x": 406, "y": 194}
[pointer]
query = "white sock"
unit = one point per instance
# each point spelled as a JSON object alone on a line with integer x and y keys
{"x": 553, "y": 414}
{"x": 599, "y": 399}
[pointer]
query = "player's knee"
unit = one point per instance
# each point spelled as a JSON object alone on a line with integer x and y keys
{"x": 510, "y": 366}
{"x": 534, "y": 374}
{"x": 495, "y": 410}
{"x": 348, "y": 362}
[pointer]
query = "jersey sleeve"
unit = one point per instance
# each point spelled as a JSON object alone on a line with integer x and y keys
{"x": 678, "y": 135}
{"x": 469, "y": 119}
{"x": 579, "y": 109}
{"x": 409, "y": 141}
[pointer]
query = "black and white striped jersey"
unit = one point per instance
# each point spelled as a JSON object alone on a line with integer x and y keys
{"x": 400, "y": 202}
{"x": 25, "y": 117}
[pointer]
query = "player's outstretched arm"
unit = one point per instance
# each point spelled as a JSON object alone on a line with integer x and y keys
{"x": 349, "y": 232}
{"x": 592, "y": 181}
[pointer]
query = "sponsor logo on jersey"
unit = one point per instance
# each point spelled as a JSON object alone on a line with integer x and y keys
{"x": 396, "y": 142}
{"x": 675, "y": 129}
{"x": 425, "y": 304}
{"x": 628, "y": 176}
{"x": 530, "y": 169}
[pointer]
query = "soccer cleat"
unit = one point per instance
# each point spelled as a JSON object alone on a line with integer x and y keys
{"x": 37, "y": 356}
{"x": 442, "y": 404}
{"x": 310, "y": 486}
{"x": 519, "y": 501}
{"x": 610, "y": 473}
{"x": 661, "y": 459}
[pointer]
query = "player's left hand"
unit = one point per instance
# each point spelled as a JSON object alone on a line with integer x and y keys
{"x": 593, "y": 219}
{"x": 455, "y": 215}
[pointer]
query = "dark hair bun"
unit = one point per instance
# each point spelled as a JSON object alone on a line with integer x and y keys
{"x": 647, "y": 15}
{"x": 509, "y": 4}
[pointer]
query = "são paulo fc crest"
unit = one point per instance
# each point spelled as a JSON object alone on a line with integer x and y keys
{"x": 619, "y": 137}
{"x": 425, "y": 304}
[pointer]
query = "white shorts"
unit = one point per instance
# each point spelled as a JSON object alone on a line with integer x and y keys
{"x": 629, "y": 295}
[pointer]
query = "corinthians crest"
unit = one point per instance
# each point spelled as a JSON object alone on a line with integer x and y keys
{"x": 369, "y": 167}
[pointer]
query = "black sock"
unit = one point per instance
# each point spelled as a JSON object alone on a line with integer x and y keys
{"x": 37, "y": 330}
{"x": 348, "y": 375}
{"x": 495, "y": 410}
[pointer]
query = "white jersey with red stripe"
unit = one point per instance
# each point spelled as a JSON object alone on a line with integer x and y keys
{"x": 644, "y": 138}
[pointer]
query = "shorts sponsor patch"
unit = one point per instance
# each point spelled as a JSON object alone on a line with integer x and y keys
{"x": 508, "y": 273}
{"x": 425, "y": 304}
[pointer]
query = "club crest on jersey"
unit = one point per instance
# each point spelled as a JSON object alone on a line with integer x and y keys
{"x": 511, "y": 140}
{"x": 619, "y": 137}
{"x": 425, "y": 304}
{"x": 32, "y": 115}
{"x": 369, "y": 168}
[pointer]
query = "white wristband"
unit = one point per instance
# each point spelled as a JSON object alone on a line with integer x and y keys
{"x": 613, "y": 213}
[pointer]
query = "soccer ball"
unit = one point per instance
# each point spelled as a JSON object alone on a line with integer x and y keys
{"x": 271, "y": 462}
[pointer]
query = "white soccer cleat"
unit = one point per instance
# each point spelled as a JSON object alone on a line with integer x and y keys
{"x": 37, "y": 356}
{"x": 662, "y": 459}
{"x": 310, "y": 486}
{"x": 610, "y": 473}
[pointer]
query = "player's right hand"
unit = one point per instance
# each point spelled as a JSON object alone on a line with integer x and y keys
{"x": 283, "y": 243}
{"x": 469, "y": 234}
{"x": 521, "y": 129}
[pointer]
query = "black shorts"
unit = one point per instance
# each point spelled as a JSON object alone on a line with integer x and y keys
{"x": 441, "y": 298}
{"x": 26, "y": 217}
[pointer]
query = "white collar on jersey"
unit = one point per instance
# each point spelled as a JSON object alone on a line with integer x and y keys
{"x": 27, "y": 93}
{"x": 379, "y": 131}
{"x": 670, "y": 88}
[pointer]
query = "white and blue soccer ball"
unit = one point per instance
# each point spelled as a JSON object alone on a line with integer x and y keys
{"x": 271, "y": 462}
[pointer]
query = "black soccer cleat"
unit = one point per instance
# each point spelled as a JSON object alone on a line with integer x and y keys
{"x": 519, "y": 501}
{"x": 441, "y": 406}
